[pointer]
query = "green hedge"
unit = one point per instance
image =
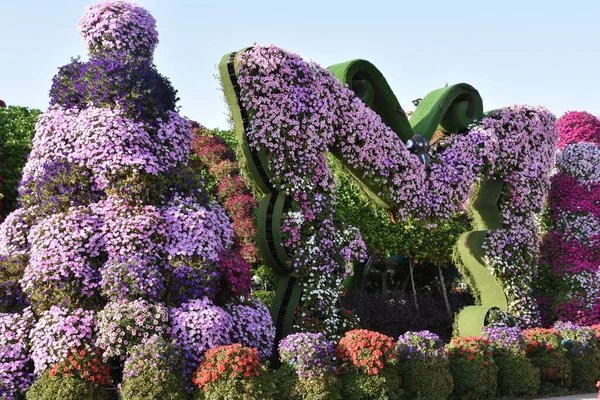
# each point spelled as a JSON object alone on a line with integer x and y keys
{"x": 17, "y": 127}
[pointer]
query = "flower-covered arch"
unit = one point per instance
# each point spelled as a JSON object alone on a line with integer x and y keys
{"x": 288, "y": 113}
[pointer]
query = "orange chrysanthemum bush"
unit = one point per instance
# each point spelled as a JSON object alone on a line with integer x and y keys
{"x": 368, "y": 366}
{"x": 546, "y": 351}
{"x": 230, "y": 372}
{"x": 473, "y": 369}
{"x": 82, "y": 374}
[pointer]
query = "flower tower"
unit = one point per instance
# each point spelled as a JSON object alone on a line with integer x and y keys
{"x": 115, "y": 241}
{"x": 571, "y": 249}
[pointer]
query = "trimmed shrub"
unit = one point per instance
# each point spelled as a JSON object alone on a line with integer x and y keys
{"x": 517, "y": 377}
{"x": 153, "y": 371}
{"x": 546, "y": 353}
{"x": 359, "y": 386}
{"x": 473, "y": 370}
{"x": 424, "y": 366}
{"x": 582, "y": 351}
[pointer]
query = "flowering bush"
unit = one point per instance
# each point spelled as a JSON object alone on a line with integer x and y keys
{"x": 505, "y": 339}
{"x": 16, "y": 369}
{"x": 227, "y": 362}
{"x": 62, "y": 268}
{"x": 473, "y": 368}
{"x": 310, "y": 354}
{"x": 252, "y": 326}
{"x": 424, "y": 366}
{"x": 133, "y": 84}
{"x": 123, "y": 324}
{"x": 85, "y": 364}
{"x": 153, "y": 371}
{"x": 582, "y": 351}
{"x": 118, "y": 26}
{"x": 57, "y": 331}
{"x": 546, "y": 352}
{"x": 198, "y": 326}
{"x": 517, "y": 377}
{"x": 577, "y": 127}
{"x": 131, "y": 278}
{"x": 366, "y": 351}
{"x": 422, "y": 346}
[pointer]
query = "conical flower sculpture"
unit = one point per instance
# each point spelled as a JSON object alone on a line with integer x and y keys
{"x": 115, "y": 242}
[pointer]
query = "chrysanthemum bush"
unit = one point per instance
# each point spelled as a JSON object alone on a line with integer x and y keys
{"x": 569, "y": 288}
{"x": 424, "y": 366}
{"x": 517, "y": 377}
{"x": 85, "y": 364}
{"x": 473, "y": 368}
{"x": 515, "y": 144}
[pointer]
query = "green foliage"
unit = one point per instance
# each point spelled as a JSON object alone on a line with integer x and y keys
{"x": 265, "y": 296}
{"x": 17, "y": 127}
{"x": 384, "y": 386}
{"x": 381, "y": 235}
{"x": 289, "y": 386}
{"x": 586, "y": 370}
{"x": 64, "y": 388}
{"x": 473, "y": 381}
{"x": 517, "y": 377}
{"x": 555, "y": 370}
{"x": 151, "y": 385}
{"x": 257, "y": 387}
{"x": 426, "y": 380}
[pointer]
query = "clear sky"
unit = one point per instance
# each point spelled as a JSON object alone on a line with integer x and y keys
{"x": 513, "y": 51}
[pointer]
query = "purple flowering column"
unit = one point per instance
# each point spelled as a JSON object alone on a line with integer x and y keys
{"x": 114, "y": 228}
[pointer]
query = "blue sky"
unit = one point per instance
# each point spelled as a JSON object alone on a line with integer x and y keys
{"x": 527, "y": 52}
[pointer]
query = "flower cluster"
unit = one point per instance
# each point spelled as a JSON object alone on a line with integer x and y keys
{"x": 252, "y": 326}
{"x": 577, "y": 127}
{"x": 413, "y": 347}
{"x": 227, "y": 362}
{"x": 123, "y": 324}
{"x": 542, "y": 340}
{"x": 13, "y": 234}
{"x": 505, "y": 339}
{"x": 132, "y": 84}
{"x": 153, "y": 353}
{"x": 235, "y": 273}
{"x": 232, "y": 191}
{"x": 12, "y": 297}
{"x": 16, "y": 374}
{"x": 194, "y": 230}
{"x": 84, "y": 363}
{"x": 131, "y": 278}
{"x": 62, "y": 266}
{"x": 120, "y": 27}
{"x": 475, "y": 349}
{"x": 198, "y": 326}
{"x": 57, "y": 331}
{"x": 366, "y": 351}
{"x": 576, "y": 338}
{"x": 570, "y": 255}
{"x": 311, "y": 354}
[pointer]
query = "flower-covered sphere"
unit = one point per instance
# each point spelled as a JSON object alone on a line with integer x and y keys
{"x": 119, "y": 27}
{"x": 576, "y": 127}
